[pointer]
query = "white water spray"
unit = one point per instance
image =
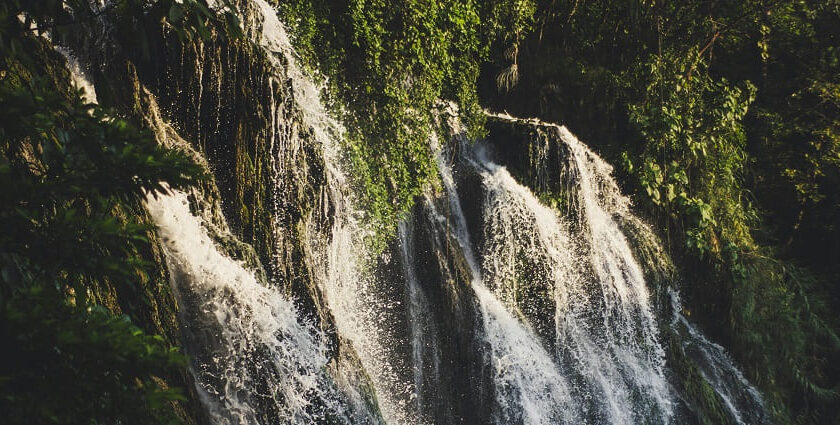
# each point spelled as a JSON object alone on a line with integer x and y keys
{"x": 605, "y": 329}
{"x": 529, "y": 386}
{"x": 741, "y": 399}
{"x": 338, "y": 252}
{"x": 260, "y": 355}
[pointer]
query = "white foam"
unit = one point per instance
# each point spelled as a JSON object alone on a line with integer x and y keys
{"x": 259, "y": 337}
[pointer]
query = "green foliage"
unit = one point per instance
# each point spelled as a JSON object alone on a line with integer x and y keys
{"x": 694, "y": 155}
{"x": 783, "y": 307}
{"x": 72, "y": 176}
{"x": 393, "y": 63}
{"x": 796, "y": 126}
{"x": 66, "y": 166}
{"x": 66, "y": 169}
{"x": 66, "y": 365}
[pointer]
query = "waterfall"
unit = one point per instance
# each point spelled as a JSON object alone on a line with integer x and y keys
{"x": 607, "y": 340}
{"x": 490, "y": 305}
{"x": 529, "y": 387}
{"x": 252, "y": 356}
{"x": 741, "y": 399}
{"x": 606, "y": 335}
{"x": 338, "y": 251}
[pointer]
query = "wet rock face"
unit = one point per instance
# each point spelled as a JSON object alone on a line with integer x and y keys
{"x": 230, "y": 103}
{"x": 237, "y": 110}
{"x": 462, "y": 387}
{"x": 531, "y": 153}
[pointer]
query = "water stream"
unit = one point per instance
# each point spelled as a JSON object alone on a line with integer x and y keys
{"x": 492, "y": 304}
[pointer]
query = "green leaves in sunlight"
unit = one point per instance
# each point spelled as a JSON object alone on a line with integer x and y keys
{"x": 695, "y": 150}
{"x": 392, "y": 64}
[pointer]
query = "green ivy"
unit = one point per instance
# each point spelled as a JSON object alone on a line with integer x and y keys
{"x": 392, "y": 64}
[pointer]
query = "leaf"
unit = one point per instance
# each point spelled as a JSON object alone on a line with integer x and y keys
{"x": 176, "y": 13}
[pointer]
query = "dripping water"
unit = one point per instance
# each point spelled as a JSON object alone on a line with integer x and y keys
{"x": 424, "y": 350}
{"x": 338, "y": 250}
{"x": 741, "y": 399}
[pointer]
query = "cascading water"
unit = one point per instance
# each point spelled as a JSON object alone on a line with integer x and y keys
{"x": 254, "y": 360}
{"x": 489, "y": 306}
{"x": 740, "y": 398}
{"x": 338, "y": 250}
{"x": 606, "y": 330}
{"x": 606, "y": 335}
{"x": 529, "y": 387}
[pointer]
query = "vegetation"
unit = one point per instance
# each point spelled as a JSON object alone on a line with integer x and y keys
{"x": 73, "y": 236}
{"x": 65, "y": 364}
{"x": 724, "y": 115}
{"x": 392, "y": 63}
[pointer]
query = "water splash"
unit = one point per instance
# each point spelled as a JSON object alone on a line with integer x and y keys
{"x": 78, "y": 76}
{"x": 254, "y": 360}
{"x": 337, "y": 250}
{"x": 533, "y": 261}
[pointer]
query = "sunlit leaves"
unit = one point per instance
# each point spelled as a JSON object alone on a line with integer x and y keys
{"x": 692, "y": 125}
{"x": 392, "y": 64}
